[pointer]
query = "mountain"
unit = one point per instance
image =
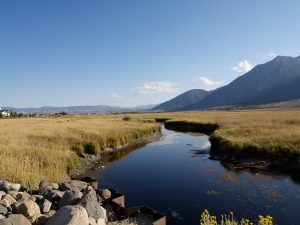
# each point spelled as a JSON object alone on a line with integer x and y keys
{"x": 99, "y": 109}
{"x": 183, "y": 100}
{"x": 274, "y": 81}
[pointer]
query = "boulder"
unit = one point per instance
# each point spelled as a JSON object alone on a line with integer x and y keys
{"x": 105, "y": 194}
{"x": 55, "y": 186}
{"x": 45, "y": 206}
{"x": 2, "y": 193}
{"x": 2, "y": 217}
{"x": 69, "y": 215}
{"x": 54, "y": 195}
{"x": 70, "y": 198}
{"x": 7, "y": 200}
{"x": 92, "y": 206}
{"x": 110, "y": 212}
{"x": 73, "y": 185}
{"x": 29, "y": 209}
{"x": 3, "y": 210}
{"x": 92, "y": 221}
{"x": 43, "y": 218}
{"x": 24, "y": 196}
{"x": 8, "y": 186}
{"x": 38, "y": 198}
{"x": 15, "y": 219}
{"x": 101, "y": 221}
{"x": 44, "y": 187}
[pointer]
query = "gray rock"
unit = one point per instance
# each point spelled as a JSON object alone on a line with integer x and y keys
{"x": 55, "y": 186}
{"x": 105, "y": 194}
{"x": 7, "y": 200}
{"x": 43, "y": 218}
{"x": 45, "y": 206}
{"x": 69, "y": 215}
{"x": 24, "y": 196}
{"x": 92, "y": 206}
{"x": 44, "y": 187}
{"x": 110, "y": 212}
{"x": 2, "y": 217}
{"x": 3, "y": 210}
{"x": 54, "y": 195}
{"x": 15, "y": 219}
{"x": 29, "y": 209}
{"x": 38, "y": 198}
{"x": 92, "y": 221}
{"x": 2, "y": 193}
{"x": 8, "y": 186}
{"x": 70, "y": 198}
{"x": 74, "y": 185}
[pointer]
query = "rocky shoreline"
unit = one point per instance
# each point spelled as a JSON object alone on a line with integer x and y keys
{"x": 69, "y": 203}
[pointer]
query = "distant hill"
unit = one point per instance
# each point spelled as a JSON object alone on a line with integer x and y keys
{"x": 100, "y": 109}
{"x": 274, "y": 81}
{"x": 183, "y": 100}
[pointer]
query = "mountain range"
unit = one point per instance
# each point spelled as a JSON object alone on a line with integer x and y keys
{"x": 99, "y": 109}
{"x": 275, "y": 81}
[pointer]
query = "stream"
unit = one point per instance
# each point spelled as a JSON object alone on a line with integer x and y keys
{"x": 175, "y": 175}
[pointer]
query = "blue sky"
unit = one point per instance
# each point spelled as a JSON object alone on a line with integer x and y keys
{"x": 135, "y": 52}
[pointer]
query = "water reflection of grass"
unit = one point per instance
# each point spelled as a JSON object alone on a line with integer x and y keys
{"x": 229, "y": 178}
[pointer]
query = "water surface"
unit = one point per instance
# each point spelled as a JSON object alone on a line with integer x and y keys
{"x": 174, "y": 175}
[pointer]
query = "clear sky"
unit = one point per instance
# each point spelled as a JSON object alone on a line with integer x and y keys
{"x": 135, "y": 52}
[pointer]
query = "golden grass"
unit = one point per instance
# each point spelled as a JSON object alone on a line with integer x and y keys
{"x": 32, "y": 149}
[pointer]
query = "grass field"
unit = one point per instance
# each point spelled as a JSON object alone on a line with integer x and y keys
{"x": 32, "y": 149}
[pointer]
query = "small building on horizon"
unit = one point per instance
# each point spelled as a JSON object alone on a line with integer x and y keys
{"x": 4, "y": 113}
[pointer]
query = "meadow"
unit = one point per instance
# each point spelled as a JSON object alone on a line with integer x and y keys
{"x": 32, "y": 149}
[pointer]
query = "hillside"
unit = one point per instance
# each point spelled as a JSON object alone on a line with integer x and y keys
{"x": 274, "y": 81}
{"x": 183, "y": 100}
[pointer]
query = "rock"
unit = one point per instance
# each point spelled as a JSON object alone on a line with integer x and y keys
{"x": 54, "y": 195}
{"x": 38, "y": 198}
{"x": 55, "y": 186}
{"x": 43, "y": 218}
{"x": 29, "y": 209}
{"x": 70, "y": 198}
{"x": 92, "y": 221}
{"x": 13, "y": 193}
{"x": 3, "y": 210}
{"x": 2, "y": 217}
{"x": 14, "y": 207}
{"x": 45, "y": 206}
{"x": 101, "y": 221}
{"x": 24, "y": 196}
{"x": 69, "y": 215}
{"x": 110, "y": 212}
{"x": 2, "y": 193}
{"x": 8, "y": 186}
{"x": 74, "y": 185}
{"x": 15, "y": 219}
{"x": 7, "y": 200}
{"x": 105, "y": 194}
{"x": 44, "y": 187}
{"x": 92, "y": 206}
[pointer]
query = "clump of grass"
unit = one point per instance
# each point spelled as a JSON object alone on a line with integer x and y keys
{"x": 208, "y": 219}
